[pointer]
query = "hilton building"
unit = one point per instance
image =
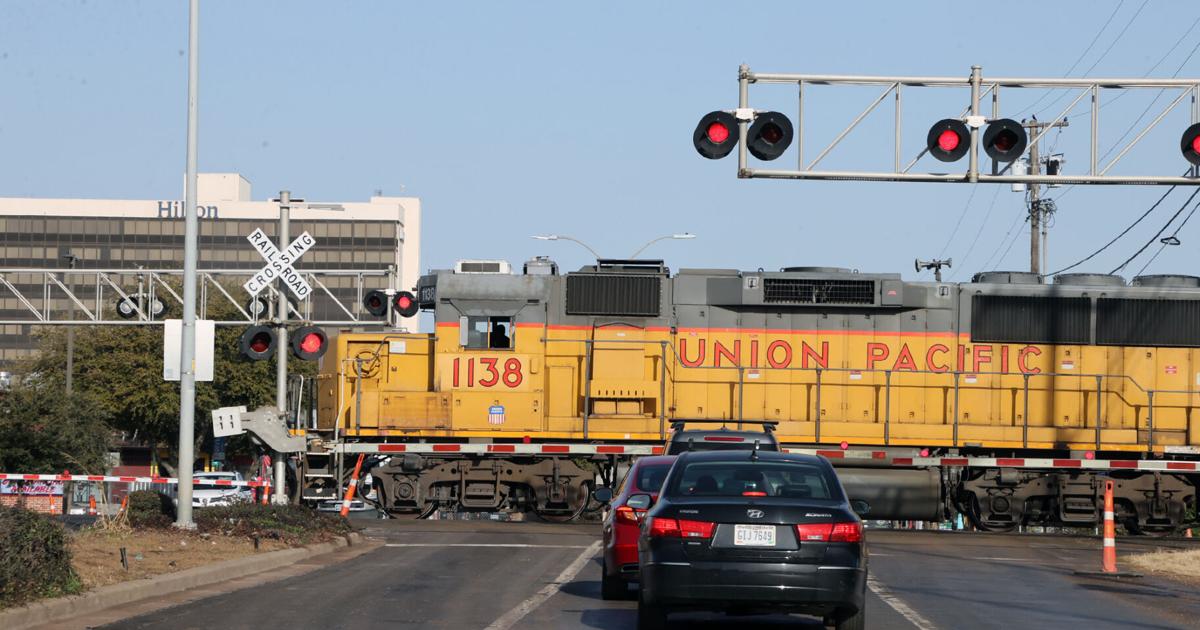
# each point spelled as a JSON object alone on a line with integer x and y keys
{"x": 112, "y": 234}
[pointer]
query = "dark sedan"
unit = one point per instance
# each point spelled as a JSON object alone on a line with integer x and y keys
{"x": 750, "y": 532}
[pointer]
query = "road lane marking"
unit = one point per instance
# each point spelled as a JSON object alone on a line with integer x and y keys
{"x": 898, "y": 605}
{"x": 516, "y": 545}
{"x": 511, "y": 617}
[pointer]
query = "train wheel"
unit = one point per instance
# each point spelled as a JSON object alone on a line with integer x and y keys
{"x": 427, "y": 510}
{"x": 567, "y": 513}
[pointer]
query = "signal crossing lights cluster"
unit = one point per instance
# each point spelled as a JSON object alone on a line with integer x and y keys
{"x": 949, "y": 139}
{"x": 258, "y": 343}
{"x": 403, "y": 302}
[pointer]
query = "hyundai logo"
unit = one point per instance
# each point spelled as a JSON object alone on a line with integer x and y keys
{"x": 755, "y": 513}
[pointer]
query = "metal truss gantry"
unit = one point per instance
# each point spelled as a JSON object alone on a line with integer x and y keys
{"x": 981, "y": 88}
{"x": 91, "y": 296}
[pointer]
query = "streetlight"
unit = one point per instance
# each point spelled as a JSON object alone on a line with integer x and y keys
{"x": 679, "y": 237}
{"x": 560, "y": 237}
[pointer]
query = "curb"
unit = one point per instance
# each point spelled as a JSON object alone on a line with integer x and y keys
{"x": 48, "y": 611}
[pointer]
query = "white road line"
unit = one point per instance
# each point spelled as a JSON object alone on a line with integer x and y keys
{"x": 898, "y": 605}
{"x": 508, "y": 619}
{"x": 1007, "y": 559}
{"x": 515, "y": 545}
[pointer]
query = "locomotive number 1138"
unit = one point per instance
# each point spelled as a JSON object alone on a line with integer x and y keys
{"x": 485, "y": 372}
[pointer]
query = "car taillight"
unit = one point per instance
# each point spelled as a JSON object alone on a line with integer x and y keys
{"x": 625, "y": 514}
{"x": 680, "y": 528}
{"x": 846, "y": 532}
{"x": 830, "y": 532}
{"x": 754, "y": 493}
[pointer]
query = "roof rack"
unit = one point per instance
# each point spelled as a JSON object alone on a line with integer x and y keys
{"x": 768, "y": 426}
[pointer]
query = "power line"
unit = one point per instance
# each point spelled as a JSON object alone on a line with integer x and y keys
{"x": 1173, "y": 236}
{"x": 958, "y": 224}
{"x": 1106, "y": 51}
{"x": 1013, "y": 226}
{"x": 1157, "y": 235}
{"x": 1117, "y": 237}
{"x": 1081, "y": 56}
{"x": 971, "y": 248}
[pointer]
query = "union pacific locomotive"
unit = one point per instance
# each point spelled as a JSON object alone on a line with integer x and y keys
{"x": 1008, "y": 398}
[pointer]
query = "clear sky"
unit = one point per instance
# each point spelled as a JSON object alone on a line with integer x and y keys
{"x": 511, "y": 119}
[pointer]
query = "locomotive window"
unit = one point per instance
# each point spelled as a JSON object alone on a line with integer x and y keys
{"x": 1030, "y": 319}
{"x": 487, "y": 333}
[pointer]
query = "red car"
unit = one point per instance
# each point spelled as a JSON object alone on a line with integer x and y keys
{"x": 622, "y": 524}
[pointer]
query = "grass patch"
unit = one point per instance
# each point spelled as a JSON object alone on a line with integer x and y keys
{"x": 1179, "y": 564}
{"x": 293, "y": 524}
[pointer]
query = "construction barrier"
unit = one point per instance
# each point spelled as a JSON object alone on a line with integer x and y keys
{"x": 1109, "y": 558}
{"x": 353, "y": 485}
{"x": 115, "y": 479}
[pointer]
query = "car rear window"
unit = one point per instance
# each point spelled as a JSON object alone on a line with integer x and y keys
{"x": 794, "y": 480}
{"x": 683, "y": 444}
{"x": 650, "y": 478}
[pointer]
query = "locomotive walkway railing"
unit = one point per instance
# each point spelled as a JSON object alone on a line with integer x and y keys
{"x": 956, "y": 385}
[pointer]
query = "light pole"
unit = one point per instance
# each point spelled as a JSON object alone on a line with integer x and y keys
{"x": 71, "y": 260}
{"x": 679, "y": 237}
{"x": 187, "y": 353}
{"x": 560, "y": 237}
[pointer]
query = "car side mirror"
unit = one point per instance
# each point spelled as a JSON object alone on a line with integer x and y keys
{"x": 602, "y": 495}
{"x": 639, "y": 502}
{"x": 860, "y": 507}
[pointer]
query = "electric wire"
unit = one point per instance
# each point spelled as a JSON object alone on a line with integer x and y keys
{"x": 1104, "y": 54}
{"x": 971, "y": 248}
{"x": 1081, "y": 56}
{"x": 1164, "y": 245}
{"x": 999, "y": 246}
{"x": 1117, "y": 237}
{"x": 1159, "y": 233}
{"x": 962, "y": 215}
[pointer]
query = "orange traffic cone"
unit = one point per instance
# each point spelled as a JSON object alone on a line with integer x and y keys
{"x": 1188, "y": 533}
{"x": 1109, "y": 560}
{"x": 91, "y": 506}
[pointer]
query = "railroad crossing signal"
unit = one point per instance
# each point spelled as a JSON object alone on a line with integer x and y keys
{"x": 279, "y": 264}
{"x": 405, "y": 304}
{"x": 974, "y": 133}
{"x": 257, "y": 342}
{"x": 376, "y": 302}
{"x": 309, "y": 343}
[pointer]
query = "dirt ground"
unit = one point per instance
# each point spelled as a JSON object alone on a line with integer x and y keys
{"x": 1184, "y": 565}
{"x": 96, "y": 553}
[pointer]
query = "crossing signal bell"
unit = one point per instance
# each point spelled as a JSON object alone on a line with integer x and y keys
{"x": 405, "y": 304}
{"x": 1190, "y": 144}
{"x": 257, "y": 343}
{"x": 716, "y": 135}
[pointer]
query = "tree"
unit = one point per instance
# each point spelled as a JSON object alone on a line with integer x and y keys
{"x": 120, "y": 369}
{"x": 43, "y": 430}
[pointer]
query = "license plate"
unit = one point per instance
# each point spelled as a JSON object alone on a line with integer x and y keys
{"x": 754, "y": 535}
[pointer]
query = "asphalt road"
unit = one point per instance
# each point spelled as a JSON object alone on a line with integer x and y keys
{"x": 475, "y": 574}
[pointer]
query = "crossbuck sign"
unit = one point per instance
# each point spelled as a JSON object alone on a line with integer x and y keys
{"x": 279, "y": 264}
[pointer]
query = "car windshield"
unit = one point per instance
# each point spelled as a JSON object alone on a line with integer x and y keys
{"x": 795, "y": 480}
{"x": 650, "y": 478}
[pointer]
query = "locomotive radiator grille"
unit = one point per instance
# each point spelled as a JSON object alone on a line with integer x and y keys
{"x": 803, "y": 291}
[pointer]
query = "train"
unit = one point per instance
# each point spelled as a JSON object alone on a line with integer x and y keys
{"x": 1008, "y": 399}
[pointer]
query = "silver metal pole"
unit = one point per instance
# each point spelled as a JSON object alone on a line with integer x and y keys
{"x": 187, "y": 354}
{"x": 281, "y": 349}
{"x": 743, "y": 126}
{"x": 973, "y": 172}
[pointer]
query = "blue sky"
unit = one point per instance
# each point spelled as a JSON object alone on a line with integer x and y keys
{"x": 512, "y": 119}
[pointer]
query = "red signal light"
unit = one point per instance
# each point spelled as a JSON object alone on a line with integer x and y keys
{"x": 309, "y": 343}
{"x": 1004, "y": 140}
{"x": 376, "y": 303}
{"x": 948, "y": 140}
{"x": 769, "y": 136}
{"x": 718, "y": 132}
{"x": 1190, "y": 144}
{"x": 716, "y": 135}
{"x": 257, "y": 342}
{"x": 405, "y": 304}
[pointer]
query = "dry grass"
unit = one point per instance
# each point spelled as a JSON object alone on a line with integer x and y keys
{"x": 96, "y": 553}
{"x": 1179, "y": 564}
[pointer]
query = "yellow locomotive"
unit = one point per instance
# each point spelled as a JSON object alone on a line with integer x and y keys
{"x": 893, "y": 374}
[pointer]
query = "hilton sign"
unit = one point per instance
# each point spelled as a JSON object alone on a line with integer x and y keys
{"x": 174, "y": 210}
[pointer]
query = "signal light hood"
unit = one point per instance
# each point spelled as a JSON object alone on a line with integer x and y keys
{"x": 1005, "y": 140}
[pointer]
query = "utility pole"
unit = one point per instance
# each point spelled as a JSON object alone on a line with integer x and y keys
{"x": 187, "y": 354}
{"x": 281, "y": 352}
{"x": 71, "y": 259}
{"x": 1037, "y": 219}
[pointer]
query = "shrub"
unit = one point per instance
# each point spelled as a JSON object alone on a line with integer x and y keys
{"x": 34, "y": 559}
{"x": 148, "y": 508}
{"x": 290, "y": 523}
